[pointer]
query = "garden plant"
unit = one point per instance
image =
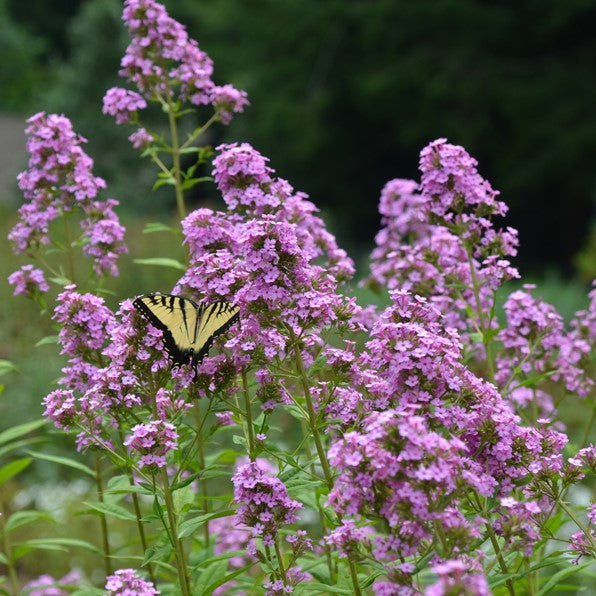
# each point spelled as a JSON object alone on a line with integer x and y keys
{"x": 322, "y": 445}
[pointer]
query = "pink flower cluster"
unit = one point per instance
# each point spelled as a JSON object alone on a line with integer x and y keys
{"x": 162, "y": 61}
{"x": 270, "y": 255}
{"x": 263, "y": 504}
{"x": 46, "y": 585}
{"x": 126, "y": 582}
{"x": 434, "y": 433}
{"x": 153, "y": 440}
{"x": 535, "y": 343}
{"x": 59, "y": 180}
{"x": 441, "y": 242}
{"x": 28, "y": 281}
{"x": 111, "y": 369}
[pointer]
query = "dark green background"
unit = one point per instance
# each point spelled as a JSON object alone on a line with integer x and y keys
{"x": 345, "y": 93}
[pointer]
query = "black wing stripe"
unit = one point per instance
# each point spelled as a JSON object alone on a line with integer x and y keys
{"x": 194, "y": 347}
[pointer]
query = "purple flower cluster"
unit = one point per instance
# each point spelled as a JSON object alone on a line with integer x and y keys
{"x": 270, "y": 255}
{"x": 28, "y": 281}
{"x": 440, "y": 242}
{"x": 126, "y": 582}
{"x": 535, "y": 343}
{"x": 458, "y": 576}
{"x": 163, "y": 62}
{"x": 426, "y": 432}
{"x": 58, "y": 180}
{"x": 263, "y": 504}
{"x": 111, "y": 369}
{"x": 153, "y": 440}
{"x": 46, "y": 585}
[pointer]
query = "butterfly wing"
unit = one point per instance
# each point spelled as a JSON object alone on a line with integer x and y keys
{"x": 177, "y": 318}
{"x": 214, "y": 319}
{"x": 188, "y": 328}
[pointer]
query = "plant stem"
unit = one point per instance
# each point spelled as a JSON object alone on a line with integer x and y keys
{"x": 202, "y": 482}
{"x": 586, "y": 434}
{"x": 312, "y": 418}
{"x": 102, "y": 518}
{"x": 251, "y": 438}
{"x": 8, "y": 552}
{"x": 137, "y": 508}
{"x": 280, "y": 562}
{"x": 69, "y": 249}
{"x": 496, "y": 547}
{"x": 176, "y": 162}
{"x": 484, "y": 328}
{"x": 176, "y": 542}
{"x": 332, "y": 574}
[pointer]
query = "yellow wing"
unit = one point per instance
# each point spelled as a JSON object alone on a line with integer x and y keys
{"x": 188, "y": 328}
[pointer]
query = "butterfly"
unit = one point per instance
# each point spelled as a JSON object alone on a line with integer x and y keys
{"x": 188, "y": 328}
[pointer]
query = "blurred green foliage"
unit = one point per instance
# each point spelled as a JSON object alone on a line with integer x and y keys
{"x": 345, "y": 93}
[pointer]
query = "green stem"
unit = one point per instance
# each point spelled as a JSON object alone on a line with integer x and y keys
{"x": 312, "y": 418}
{"x": 199, "y": 132}
{"x": 484, "y": 327}
{"x": 322, "y": 522}
{"x": 12, "y": 572}
{"x": 579, "y": 524}
{"x": 137, "y": 508}
{"x": 176, "y": 542}
{"x": 251, "y": 438}
{"x": 202, "y": 482}
{"x": 496, "y": 547}
{"x": 586, "y": 434}
{"x": 176, "y": 163}
{"x": 280, "y": 562}
{"x": 102, "y": 518}
{"x": 69, "y": 249}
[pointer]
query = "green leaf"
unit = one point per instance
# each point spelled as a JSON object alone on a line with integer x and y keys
{"x": 89, "y": 591}
{"x": 24, "y": 518}
{"x": 210, "y": 574}
{"x": 226, "y": 578}
{"x": 18, "y": 431}
{"x": 19, "y": 444}
{"x": 163, "y": 182}
{"x": 184, "y": 483}
{"x": 295, "y": 412}
{"x": 223, "y": 556}
{"x": 6, "y": 366}
{"x": 190, "y": 526}
{"x": 63, "y": 461}
{"x": 112, "y": 510}
{"x": 157, "y": 553}
{"x": 312, "y": 587}
{"x": 533, "y": 381}
{"x": 48, "y": 339}
{"x": 194, "y": 181}
{"x": 555, "y": 580}
{"x": 61, "y": 281}
{"x": 13, "y": 468}
{"x": 157, "y": 226}
{"x": 161, "y": 262}
{"x": 56, "y": 544}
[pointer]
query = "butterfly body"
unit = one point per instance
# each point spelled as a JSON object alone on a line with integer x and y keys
{"x": 188, "y": 328}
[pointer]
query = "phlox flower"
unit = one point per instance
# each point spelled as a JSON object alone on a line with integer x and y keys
{"x": 58, "y": 180}
{"x": 153, "y": 440}
{"x": 163, "y": 61}
{"x": 456, "y": 576}
{"x": 46, "y": 585}
{"x": 263, "y": 503}
{"x": 28, "y": 281}
{"x": 127, "y": 582}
